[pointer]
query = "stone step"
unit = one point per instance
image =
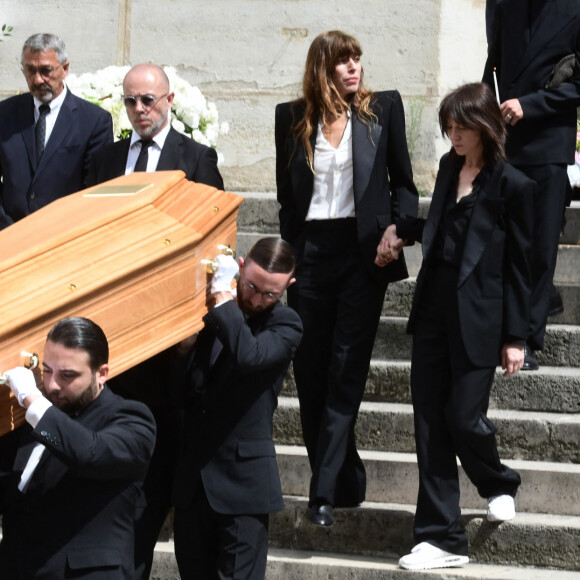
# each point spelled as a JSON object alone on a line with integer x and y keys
{"x": 393, "y": 477}
{"x": 531, "y": 436}
{"x": 385, "y": 530}
{"x": 301, "y": 564}
{"x": 562, "y": 343}
{"x": 549, "y": 389}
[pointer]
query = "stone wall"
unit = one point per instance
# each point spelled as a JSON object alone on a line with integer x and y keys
{"x": 248, "y": 55}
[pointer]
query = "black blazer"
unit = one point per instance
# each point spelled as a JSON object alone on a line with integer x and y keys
{"x": 383, "y": 178}
{"x": 227, "y": 439}
{"x": 76, "y": 517}
{"x": 197, "y": 161}
{"x": 524, "y": 62}
{"x": 80, "y": 130}
{"x": 494, "y": 284}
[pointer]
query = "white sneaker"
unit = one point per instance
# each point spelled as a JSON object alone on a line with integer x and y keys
{"x": 501, "y": 508}
{"x": 425, "y": 556}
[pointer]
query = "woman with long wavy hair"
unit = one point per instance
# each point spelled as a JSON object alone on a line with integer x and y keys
{"x": 343, "y": 176}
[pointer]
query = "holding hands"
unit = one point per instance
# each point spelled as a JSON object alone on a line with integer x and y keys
{"x": 389, "y": 247}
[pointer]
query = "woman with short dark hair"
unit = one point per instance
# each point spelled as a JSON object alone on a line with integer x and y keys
{"x": 470, "y": 313}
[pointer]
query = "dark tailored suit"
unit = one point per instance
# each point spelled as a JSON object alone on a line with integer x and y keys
{"x": 227, "y": 457}
{"x": 541, "y": 144}
{"x": 198, "y": 162}
{"x": 339, "y": 290}
{"x": 75, "y": 519}
{"x": 460, "y": 318}
{"x": 148, "y": 381}
{"x": 80, "y": 130}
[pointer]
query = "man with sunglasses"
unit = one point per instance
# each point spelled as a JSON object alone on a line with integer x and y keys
{"x": 48, "y": 135}
{"x": 227, "y": 480}
{"x": 153, "y": 146}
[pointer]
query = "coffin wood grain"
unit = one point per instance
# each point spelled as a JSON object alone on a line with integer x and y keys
{"x": 131, "y": 263}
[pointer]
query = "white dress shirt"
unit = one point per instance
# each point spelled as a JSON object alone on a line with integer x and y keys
{"x": 154, "y": 151}
{"x": 333, "y": 194}
{"x": 51, "y": 117}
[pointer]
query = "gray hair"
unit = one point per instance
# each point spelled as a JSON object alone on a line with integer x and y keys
{"x": 43, "y": 42}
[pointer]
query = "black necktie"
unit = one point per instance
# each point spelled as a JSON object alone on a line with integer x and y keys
{"x": 40, "y": 131}
{"x": 141, "y": 164}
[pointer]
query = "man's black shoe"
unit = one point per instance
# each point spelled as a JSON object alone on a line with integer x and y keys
{"x": 530, "y": 360}
{"x": 322, "y": 515}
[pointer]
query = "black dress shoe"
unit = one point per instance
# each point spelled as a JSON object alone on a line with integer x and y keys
{"x": 530, "y": 360}
{"x": 322, "y": 515}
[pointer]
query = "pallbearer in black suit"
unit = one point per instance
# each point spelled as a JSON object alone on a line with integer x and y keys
{"x": 343, "y": 175}
{"x": 227, "y": 480}
{"x": 469, "y": 314}
{"x": 153, "y": 146}
{"x": 76, "y": 468}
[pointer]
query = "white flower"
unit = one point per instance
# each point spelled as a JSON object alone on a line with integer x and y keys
{"x": 191, "y": 113}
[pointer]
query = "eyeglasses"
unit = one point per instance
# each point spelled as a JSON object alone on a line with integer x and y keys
{"x": 44, "y": 71}
{"x": 148, "y": 101}
{"x": 267, "y": 296}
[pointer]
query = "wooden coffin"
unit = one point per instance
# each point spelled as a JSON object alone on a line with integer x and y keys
{"x": 127, "y": 254}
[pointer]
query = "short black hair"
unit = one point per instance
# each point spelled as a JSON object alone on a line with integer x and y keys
{"x": 273, "y": 255}
{"x": 83, "y": 334}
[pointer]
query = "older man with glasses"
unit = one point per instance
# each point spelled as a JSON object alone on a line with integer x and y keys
{"x": 153, "y": 146}
{"x": 48, "y": 135}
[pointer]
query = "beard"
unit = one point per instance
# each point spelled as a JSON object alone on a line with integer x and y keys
{"x": 153, "y": 129}
{"x": 74, "y": 406}
{"x": 43, "y": 93}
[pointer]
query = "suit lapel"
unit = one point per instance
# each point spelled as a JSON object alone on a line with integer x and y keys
{"x": 64, "y": 123}
{"x": 552, "y": 21}
{"x": 117, "y": 162}
{"x": 301, "y": 175}
{"x": 364, "y": 149}
{"x": 171, "y": 152}
{"x": 26, "y": 124}
{"x": 483, "y": 220}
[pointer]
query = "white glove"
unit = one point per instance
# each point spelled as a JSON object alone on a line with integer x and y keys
{"x": 22, "y": 383}
{"x": 224, "y": 274}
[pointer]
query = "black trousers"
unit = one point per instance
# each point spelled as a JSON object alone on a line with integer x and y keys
{"x": 450, "y": 401}
{"x": 213, "y": 546}
{"x": 339, "y": 303}
{"x": 549, "y": 209}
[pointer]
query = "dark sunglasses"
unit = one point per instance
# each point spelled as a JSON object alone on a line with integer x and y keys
{"x": 148, "y": 101}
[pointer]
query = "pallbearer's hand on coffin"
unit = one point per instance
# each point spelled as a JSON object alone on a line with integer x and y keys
{"x": 23, "y": 385}
{"x": 224, "y": 275}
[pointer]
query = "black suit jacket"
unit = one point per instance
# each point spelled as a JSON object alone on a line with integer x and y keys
{"x": 227, "y": 440}
{"x": 76, "y": 517}
{"x": 494, "y": 284}
{"x": 80, "y": 130}
{"x": 382, "y": 174}
{"x": 198, "y": 162}
{"x": 524, "y": 63}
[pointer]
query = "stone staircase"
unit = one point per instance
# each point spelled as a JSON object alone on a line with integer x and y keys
{"x": 538, "y": 418}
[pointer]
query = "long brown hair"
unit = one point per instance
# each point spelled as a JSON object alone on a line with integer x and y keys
{"x": 474, "y": 106}
{"x": 321, "y": 99}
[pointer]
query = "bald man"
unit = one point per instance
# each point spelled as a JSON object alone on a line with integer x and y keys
{"x": 153, "y": 146}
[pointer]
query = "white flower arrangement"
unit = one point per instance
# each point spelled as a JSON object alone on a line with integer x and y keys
{"x": 192, "y": 114}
